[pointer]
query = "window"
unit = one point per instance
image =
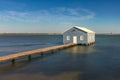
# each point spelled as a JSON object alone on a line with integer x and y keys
{"x": 68, "y": 38}
{"x": 81, "y": 37}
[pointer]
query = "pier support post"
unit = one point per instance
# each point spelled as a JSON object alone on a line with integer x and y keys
{"x": 41, "y": 53}
{"x": 29, "y": 57}
{"x": 13, "y": 61}
{"x": 53, "y": 51}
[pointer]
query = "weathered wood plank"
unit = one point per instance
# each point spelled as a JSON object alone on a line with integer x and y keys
{"x": 27, "y": 53}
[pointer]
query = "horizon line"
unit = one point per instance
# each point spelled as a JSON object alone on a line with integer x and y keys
{"x": 108, "y": 33}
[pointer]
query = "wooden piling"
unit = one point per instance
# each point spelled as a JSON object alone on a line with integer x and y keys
{"x": 29, "y": 57}
{"x": 41, "y": 53}
{"x": 13, "y": 61}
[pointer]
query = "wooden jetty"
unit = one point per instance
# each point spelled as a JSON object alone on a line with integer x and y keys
{"x": 13, "y": 57}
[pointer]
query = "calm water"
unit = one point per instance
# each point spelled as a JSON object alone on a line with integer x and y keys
{"x": 100, "y": 61}
{"x": 17, "y": 43}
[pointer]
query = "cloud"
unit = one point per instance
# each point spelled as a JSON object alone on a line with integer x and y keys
{"x": 12, "y": 15}
{"x": 77, "y": 13}
{"x": 89, "y": 15}
{"x": 53, "y": 14}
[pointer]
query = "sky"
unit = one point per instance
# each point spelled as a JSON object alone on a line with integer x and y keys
{"x": 55, "y": 16}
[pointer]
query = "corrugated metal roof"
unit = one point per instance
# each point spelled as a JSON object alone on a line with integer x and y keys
{"x": 84, "y": 29}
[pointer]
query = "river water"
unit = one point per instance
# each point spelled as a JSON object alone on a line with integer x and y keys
{"x": 100, "y": 61}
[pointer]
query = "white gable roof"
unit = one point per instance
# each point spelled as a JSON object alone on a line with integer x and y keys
{"x": 84, "y": 29}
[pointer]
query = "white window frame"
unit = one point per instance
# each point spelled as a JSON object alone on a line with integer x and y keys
{"x": 81, "y": 37}
{"x": 67, "y": 37}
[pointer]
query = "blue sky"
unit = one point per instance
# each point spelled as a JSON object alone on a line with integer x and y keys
{"x": 55, "y": 16}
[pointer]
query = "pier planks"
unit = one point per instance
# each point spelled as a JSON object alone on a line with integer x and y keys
{"x": 29, "y": 53}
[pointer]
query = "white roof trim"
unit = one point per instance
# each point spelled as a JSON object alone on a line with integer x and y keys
{"x": 84, "y": 29}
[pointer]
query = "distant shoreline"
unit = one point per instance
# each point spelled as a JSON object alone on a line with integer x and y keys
{"x": 108, "y": 34}
{"x": 51, "y": 34}
{"x": 30, "y": 33}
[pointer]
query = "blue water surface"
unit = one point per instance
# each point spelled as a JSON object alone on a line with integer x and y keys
{"x": 100, "y": 61}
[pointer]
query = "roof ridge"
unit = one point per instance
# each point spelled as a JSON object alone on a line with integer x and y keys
{"x": 84, "y": 29}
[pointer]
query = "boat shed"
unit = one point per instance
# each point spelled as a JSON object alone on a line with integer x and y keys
{"x": 79, "y": 35}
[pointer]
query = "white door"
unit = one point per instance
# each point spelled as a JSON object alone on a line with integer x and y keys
{"x": 74, "y": 39}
